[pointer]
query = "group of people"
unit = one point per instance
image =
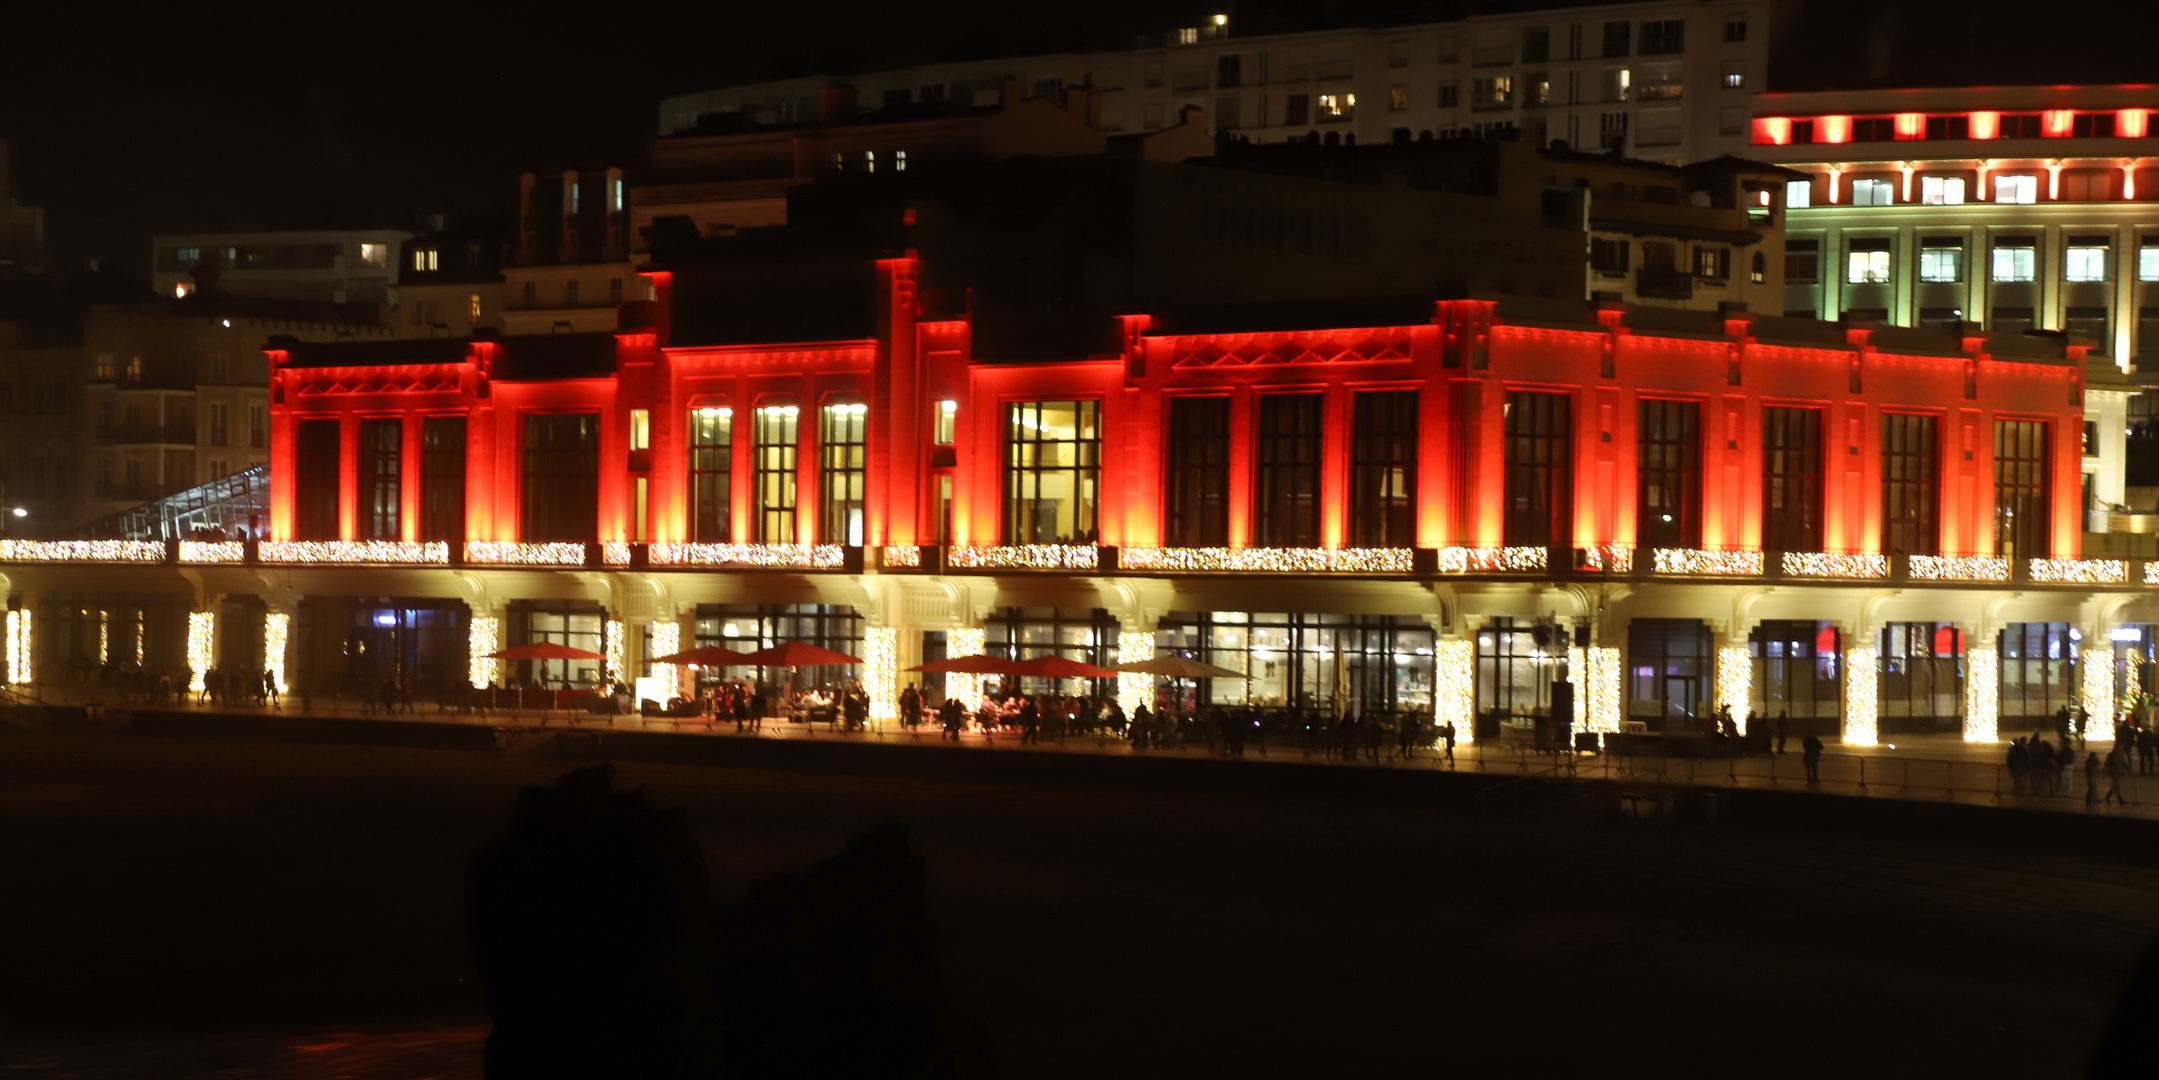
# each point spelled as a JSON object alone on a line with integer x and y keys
{"x": 221, "y": 687}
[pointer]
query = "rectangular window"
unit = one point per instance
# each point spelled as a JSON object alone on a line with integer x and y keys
{"x": 1536, "y": 44}
{"x": 1874, "y": 193}
{"x": 1798, "y": 194}
{"x": 1336, "y": 108}
{"x": 2089, "y": 321}
{"x": 945, "y": 425}
{"x": 2148, "y": 262}
{"x": 1669, "y": 485}
{"x": 258, "y": 426}
{"x": 1618, "y": 87}
{"x": 1296, "y": 112}
{"x": 640, "y": 429}
{"x": 315, "y": 490}
{"x": 843, "y": 473}
{"x": 472, "y": 308}
{"x": 1874, "y": 129}
{"x": 1949, "y": 127}
{"x": 774, "y": 484}
{"x": 2020, "y": 489}
{"x": 1713, "y": 263}
{"x": 1197, "y": 495}
{"x": 2087, "y": 259}
{"x": 1449, "y": 94}
{"x": 1383, "y": 469}
{"x": 1735, "y": 74}
{"x": 2015, "y": 260}
{"x": 712, "y": 475}
{"x": 1867, "y": 263}
{"x": 1735, "y": 30}
{"x": 2016, "y": 190}
{"x": 562, "y": 477}
{"x": 382, "y": 446}
{"x": 1397, "y": 99}
{"x": 1495, "y": 91}
{"x": 1053, "y": 472}
{"x": 1286, "y": 472}
{"x": 1941, "y": 190}
{"x": 1609, "y": 256}
{"x": 220, "y": 432}
{"x": 2038, "y": 670}
{"x": 1791, "y": 479}
{"x": 1539, "y": 432}
{"x": 442, "y": 478}
{"x": 1664, "y": 36}
{"x": 1941, "y": 259}
{"x": 1617, "y": 36}
{"x": 1910, "y": 478}
{"x": 944, "y": 508}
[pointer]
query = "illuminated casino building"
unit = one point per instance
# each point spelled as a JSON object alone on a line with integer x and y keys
{"x": 951, "y": 427}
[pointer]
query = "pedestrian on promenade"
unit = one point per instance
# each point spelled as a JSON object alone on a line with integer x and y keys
{"x": 2117, "y": 767}
{"x": 2146, "y": 744}
{"x": 1811, "y": 748}
{"x": 2042, "y": 765}
{"x": 1783, "y": 722}
{"x": 2061, "y": 724}
{"x": 2091, "y": 779}
{"x": 2020, "y": 763}
{"x": 1447, "y": 734}
{"x": 1141, "y": 719}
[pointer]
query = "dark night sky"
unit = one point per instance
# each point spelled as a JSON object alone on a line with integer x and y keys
{"x": 130, "y": 119}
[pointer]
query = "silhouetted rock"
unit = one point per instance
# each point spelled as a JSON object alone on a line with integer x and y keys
{"x": 591, "y": 920}
{"x": 834, "y": 972}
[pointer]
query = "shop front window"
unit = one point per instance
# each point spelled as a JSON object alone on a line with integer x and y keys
{"x": 2038, "y": 673}
{"x": 1922, "y": 678}
{"x": 746, "y": 628}
{"x": 1796, "y": 671}
{"x": 1671, "y": 667}
{"x": 1369, "y": 663}
{"x": 1053, "y": 469}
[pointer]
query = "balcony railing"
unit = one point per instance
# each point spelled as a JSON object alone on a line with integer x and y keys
{"x": 1663, "y": 284}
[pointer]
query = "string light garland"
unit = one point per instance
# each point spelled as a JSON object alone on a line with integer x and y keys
{"x": 904, "y": 556}
{"x": 356, "y": 552}
{"x": 81, "y": 551}
{"x": 881, "y": 672}
{"x": 212, "y": 551}
{"x": 1862, "y": 702}
{"x": 1608, "y": 557}
{"x": 964, "y": 641}
{"x": 483, "y": 670}
{"x": 21, "y": 648}
{"x": 1735, "y": 680}
{"x": 201, "y": 639}
{"x": 1455, "y": 677}
{"x": 104, "y": 637}
{"x": 1835, "y": 564}
{"x": 615, "y": 553}
{"x": 276, "y": 629}
{"x": 1025, "y": 557}
{"x": 1691, "y": 561}
{"x": 1604, "y": 699}
{"x": 1459, "y": 560}
{"x": 2098, "y": 686}
{"x": 611, "y": 636}
{"x": 514, "y": 553}
{"x": 1303, "y": 560}
{"x": 755, "y": 556}
{"x": 1578, "y": 674}
{"x": 1957, "y": 568}
{"x": 666, "y": 641}
{"x": 1982, "y": 694}
{"x": 2151, "y": 573}
{"x": 2079, "y": 571}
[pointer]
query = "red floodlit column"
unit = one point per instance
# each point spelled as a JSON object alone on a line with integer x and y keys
{"x": 410, "y": 451}
{"x": 1241, "y": 427}
{"x": 1967, "y": 519}
{"x": 1437, "y": 476}
{"x": 2066, "y": 487}
{"x": 282, "y": 464}
{"x": 348, "y": 476}
{"x": 1335, "y": 436}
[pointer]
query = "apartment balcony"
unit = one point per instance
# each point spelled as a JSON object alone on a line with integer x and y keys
{"x": 147, "y": 435}
{"x": 1663, "y": 284}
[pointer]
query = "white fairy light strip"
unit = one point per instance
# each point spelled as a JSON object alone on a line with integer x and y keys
{"x": 964, "y": 641}
{"x": 1303, "y": 560}
{"x": 1696, "y": 561}
{"x": 1025, "y": 557}
{"x": 1603, "y": 690}
{"x": 2079, "y": 571}
{"x": 480, "y": 640}
{"x": 201, "y": 645}
{"x": 356, "y": 552}
{"x": 1134, "y": 688}
{"x": 21, "y": 648}
{"x": 2100, "y": 707}
{"x": 1835, "y": 564}
{"x": 276, "y": 632}
{"x": 1456, "y": 677}
{"x": 1459, "y": 560}
{"x": 212, "y": 551}
{"x": 881, "y": 672}
{"x": 1615, "y": 558}
{"x": 82, "y": 551}
{"x": 906, "y": 555}
{"x": 1982, "y": 694}
{"x": 615, "y": 553}
{"x": 514, "y": 553}
{"x": 754, "y": 556}
{"x": 1735, "y": 680}
{"x": 1862, "y": 701}
{"x": 1957, "y": 568}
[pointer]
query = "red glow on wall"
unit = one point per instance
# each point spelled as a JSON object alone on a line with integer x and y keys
{"x": 2132, "y": 123}
{"x": 1985, "y": 125}
{"x": 1833, "y": 129}
{"x": 2057, "y": 123}
{"x": 1911, "y": 125}
{"x": 1772, "y": 131}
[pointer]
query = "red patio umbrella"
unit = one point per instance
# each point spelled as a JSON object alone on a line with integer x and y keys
{"x": 968, "y": 665}
{"x": 705, "y": 656}
{"x": 1057, "y": 667}
{"x": 798, "y": 654}
{"x": 546, "y": 650}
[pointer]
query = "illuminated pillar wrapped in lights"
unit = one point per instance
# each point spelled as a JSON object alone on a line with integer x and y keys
{"x": 276, "y": 630}
{"x": 966, "y": 688}
{"x": 1134, "y": 688}
{"x": 104, "y": 637}
{"x": 1578, "y": 674}
{"x": 2100, "y": 707}
{"x": 21, "y": 648}
{"x": 201, "y": 639}
{"x": 1456, "y": 679}
{"x": 666, "y": 640}
{"x": 1735, "y": 680}
{"x": 1602, "y": 690}
{"x": 881, "y": 672}
{"x": 138, "y": 638}
{"x": 1862, "y": 701}
{"x": 612, "y": 646}
{"x": 480, "y": 639}
{"x": 1982, "y": 694}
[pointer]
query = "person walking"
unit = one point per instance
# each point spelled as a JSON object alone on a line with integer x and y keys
{"x": 2091, "y": 779}
{"x": 1783, "y": 720}
{"x": 2117, "y": 768}
{"x": 2020, "y": 762}
{"x": 1447, "y": 735}
{"x": 1811, "y": 748}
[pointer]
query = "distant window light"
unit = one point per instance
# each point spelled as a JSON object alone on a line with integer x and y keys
{"x": 1798, "y": 194}
{"x": 869, "y": 161}
{"x": 181, "y": 289}
{"x": 1941, "y": 190}
{"x": 472, "y": 308}
{"x": 573, "y": 196}
{"x": 899, "y": 161}
{"x": 947, "y": 422}
{"x": 1735, "y": 30}
{"x": 2086, "y": 264}
{"x": 1941, "y": 264}
{"x": 2148, "y": 263}
{"x": 2016, "y": 190}
{"x": 2015, "y": 263}
{"x": 614, "y": 196}
{"x": 640, "y": 429}
{"x": 1334, "y": 108}
{"x": 1188, "y": 35}
{"x": 839, "y": 161}
{"x": 1867, "y": 268}
{"x": 374, "y": 254}
{"x": 1397, "y": 98}
{"x": 419, "y": 260}
{"x": 1873, "y": 193}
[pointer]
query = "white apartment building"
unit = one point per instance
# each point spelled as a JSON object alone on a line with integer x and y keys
{"x": 325, "y": 266}
{"x": 1666, "y": 81}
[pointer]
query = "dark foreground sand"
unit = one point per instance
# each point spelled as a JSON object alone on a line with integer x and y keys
{"x": 187, "y": 909}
